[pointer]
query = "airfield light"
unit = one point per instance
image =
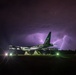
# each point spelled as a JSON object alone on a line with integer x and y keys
{"x": 57, "y": 54}
{"x": 11, "y": 54}
{"x": 6, "y": 54}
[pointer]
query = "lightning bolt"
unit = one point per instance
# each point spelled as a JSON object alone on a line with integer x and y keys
{"x": 63, "y": 42}
{"x": 56, "y": 41}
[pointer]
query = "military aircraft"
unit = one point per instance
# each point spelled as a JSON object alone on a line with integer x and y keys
{"x": 43, "y": 46}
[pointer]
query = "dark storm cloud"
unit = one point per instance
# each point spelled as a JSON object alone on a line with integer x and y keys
{"x": 32, "y": 16}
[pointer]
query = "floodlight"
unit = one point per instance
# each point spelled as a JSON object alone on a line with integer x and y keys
{"x": 6, "y": 54}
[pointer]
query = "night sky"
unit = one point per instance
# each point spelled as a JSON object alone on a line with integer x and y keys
{"x": 27, "y": 22}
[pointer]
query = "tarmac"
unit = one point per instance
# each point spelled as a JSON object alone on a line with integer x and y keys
{"x": 36, "y": 65}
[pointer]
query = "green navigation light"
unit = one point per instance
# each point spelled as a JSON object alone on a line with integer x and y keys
{"x": 11, "y": 54}
{"x": 57, "y": 54}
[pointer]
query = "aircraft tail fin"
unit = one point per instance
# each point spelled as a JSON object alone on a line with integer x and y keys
{"x": 47, "y": 40}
